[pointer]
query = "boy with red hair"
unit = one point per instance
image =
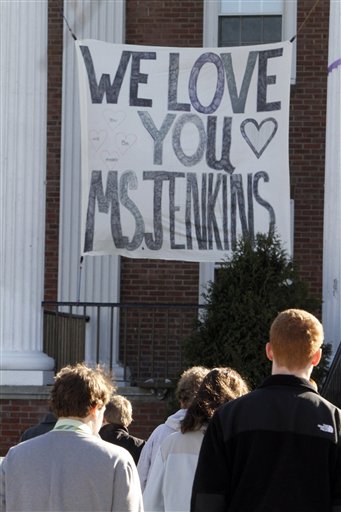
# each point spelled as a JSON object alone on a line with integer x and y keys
{"x": 278, "y": 448}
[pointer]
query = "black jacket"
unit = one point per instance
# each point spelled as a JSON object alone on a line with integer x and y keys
{"x": 276, "y": 449}
{"x": 117, "y": 434}
{"x": 46, "y": 425}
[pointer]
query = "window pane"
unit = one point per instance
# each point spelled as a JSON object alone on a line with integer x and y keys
{"x": 229, "y": 31}
{"x": 249, "y": 30}
{"x": 272, "y": 29}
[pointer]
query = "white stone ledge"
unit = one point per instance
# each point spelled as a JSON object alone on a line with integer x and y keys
{"x": 26, "y": 377}
{"x": 25, "y": 360}
{"x": 13, "y": 392}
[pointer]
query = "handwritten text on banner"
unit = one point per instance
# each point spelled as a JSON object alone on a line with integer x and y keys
{"x": 183, "y": 149}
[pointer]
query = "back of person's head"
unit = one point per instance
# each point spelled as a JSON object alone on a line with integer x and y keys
{"x": 219, "y": 386}
{"x": 119, "y": 411}
{"x": 77, "y": 389}
{"x": 295, "y": 336}
{"x": 189, "y": 383}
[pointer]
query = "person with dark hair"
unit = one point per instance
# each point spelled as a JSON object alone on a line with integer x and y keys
{"x": 186, "y": 390}
{"x": 118, "y": 416}
{"x": 46, "y": 424}
{"x": 277, "y": 449}
{"x": 71, "y": 468}
{"x": 170, "y": 483}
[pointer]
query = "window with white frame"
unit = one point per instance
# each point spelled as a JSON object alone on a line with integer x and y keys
{"x": 250, "y": 22}
{"x": 246, "y": 23}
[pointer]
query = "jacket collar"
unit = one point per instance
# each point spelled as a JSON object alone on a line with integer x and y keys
{"x": 288, "y": 380}
{"x": 114, "y": 427}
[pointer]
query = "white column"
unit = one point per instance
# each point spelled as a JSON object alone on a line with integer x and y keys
{"x": 23, "y": 70}
{"x": 331, "y": 310}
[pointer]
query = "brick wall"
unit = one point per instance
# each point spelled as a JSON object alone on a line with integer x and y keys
{"x": 164, "y": 22}
{"x": 54, "y": 124}
{"x": 156, "y": 280}
{"x": 307, "y": 139}
{"x": 161, "y": 332}
{"x": 19, "y": 414}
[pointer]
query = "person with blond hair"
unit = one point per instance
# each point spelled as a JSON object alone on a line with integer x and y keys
{"x": 118, "y": 416}
{"x": 278, "y": 448}
{"x": 170, "y": 483}
{"x": 186, "y": 389}
{"x": 70, "y": 468}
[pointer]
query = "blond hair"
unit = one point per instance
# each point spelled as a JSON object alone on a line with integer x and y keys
{"x": 189, "y": 383}
{"x": 295, "y": 336}
{"x": 119, "y": 411}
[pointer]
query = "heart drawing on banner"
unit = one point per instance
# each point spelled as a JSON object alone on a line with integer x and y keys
{"x": 114, "y": 118}
{"x": 124, "y": 141}
{"x": 97, "y": 137}
{"x": 259, "y": 136}
{"x": 109, "y": 158}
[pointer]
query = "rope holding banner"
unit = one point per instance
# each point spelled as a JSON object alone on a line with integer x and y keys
{"x": 304, "y": 21}
{"x": 66, "y": 21}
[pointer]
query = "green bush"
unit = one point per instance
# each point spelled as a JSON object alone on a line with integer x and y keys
{"x": 251, "y": 287}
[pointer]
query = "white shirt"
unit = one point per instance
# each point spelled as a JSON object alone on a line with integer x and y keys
{"x": 169, "y": 486}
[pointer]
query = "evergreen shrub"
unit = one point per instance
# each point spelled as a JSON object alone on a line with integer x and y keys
{"x": 251, "y": 287}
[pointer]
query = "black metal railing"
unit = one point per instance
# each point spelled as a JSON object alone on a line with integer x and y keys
{"x": 146, "y": 340}
{"x": 331, "y": 388}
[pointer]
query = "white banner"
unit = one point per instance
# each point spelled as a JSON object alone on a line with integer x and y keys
{"x": 184, "y": 150}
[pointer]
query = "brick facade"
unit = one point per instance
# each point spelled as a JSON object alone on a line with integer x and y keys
{"x": 54, "y": 126}
{"x": 159, "y": 281}
{"x": 20, "y": 412}
{"x": 164, "y": 23}
{"x": 17, "y": 416}
{"x": 307, "y": 140}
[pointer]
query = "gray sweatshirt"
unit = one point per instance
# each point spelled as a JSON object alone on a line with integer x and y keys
{"x": 69, "y": 471}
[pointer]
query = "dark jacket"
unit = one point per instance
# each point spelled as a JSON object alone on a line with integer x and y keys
{"x": 117, "y": 434}
{"x": 276, "y": 449}
{"x": 44, "y": 426}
